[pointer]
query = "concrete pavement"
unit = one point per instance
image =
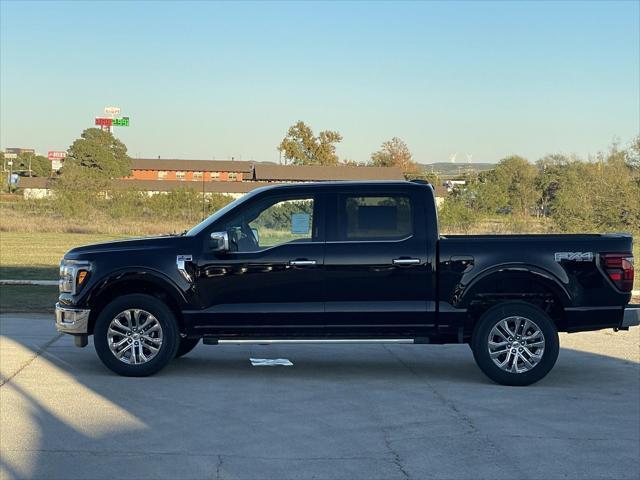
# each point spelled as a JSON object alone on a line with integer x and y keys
{"x": 340, "y": 412}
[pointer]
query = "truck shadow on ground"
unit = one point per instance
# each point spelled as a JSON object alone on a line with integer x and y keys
{"x": 340, "y": 411}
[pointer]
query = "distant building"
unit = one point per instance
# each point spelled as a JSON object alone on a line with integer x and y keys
{"x": 18, "y": 151}
{"x": 190, "y": 170}
{"x": 39, "y": 187}
{"x": 241, "y": 171}
{"x": 227, "y": 177}
{"x": 451, "y": 184}
{"x": 440, "y": 193}
{"x": 264, "y": 172}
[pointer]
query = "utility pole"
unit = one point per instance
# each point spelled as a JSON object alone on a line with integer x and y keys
{"x": 10, "y": 174}
{"x": 203, "y": 199}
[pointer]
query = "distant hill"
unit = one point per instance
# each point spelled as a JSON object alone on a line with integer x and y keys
{"x": 448, "y": 168}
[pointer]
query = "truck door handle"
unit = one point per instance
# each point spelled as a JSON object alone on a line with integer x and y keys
{"x": 302, "y": 263}
{"x": 463, "y": 259}
{"x": 406, "y": 261}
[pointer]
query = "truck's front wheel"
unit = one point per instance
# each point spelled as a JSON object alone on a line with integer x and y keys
{"x": 136, "y": 335}
{"x": 515, "y": 343}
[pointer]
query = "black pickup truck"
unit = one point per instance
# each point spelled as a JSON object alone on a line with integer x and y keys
{"x": 339, "y": 262}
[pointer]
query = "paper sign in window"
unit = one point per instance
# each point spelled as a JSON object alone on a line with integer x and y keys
{"x": 300, "y": 223}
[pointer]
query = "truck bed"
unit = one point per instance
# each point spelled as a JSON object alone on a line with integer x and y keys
{"x": 567, "y": 265}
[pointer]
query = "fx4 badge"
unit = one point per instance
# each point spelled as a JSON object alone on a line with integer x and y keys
{"x": 574, "y": 256}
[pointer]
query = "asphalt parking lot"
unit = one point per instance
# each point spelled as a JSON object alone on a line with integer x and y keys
{"x": 342, "y": 412}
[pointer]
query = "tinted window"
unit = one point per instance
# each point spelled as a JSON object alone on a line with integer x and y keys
{"x": 271, "y": 223}
{"x": 374, "y": 217}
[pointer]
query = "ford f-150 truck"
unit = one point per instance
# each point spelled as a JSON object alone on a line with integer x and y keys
{"x": 340, "y": 262}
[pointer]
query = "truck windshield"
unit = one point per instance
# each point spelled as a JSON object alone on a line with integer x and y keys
{"x": 219, "y": 213}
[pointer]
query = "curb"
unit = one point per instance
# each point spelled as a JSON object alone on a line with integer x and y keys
{"x": 29, "y": 282}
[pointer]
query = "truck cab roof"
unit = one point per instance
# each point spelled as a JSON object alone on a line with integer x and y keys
{"x": 356, "y": 184}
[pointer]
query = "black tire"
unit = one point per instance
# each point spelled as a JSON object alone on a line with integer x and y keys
{"x": 491, "y": 318}
{"x": 186, "y": 345}
{"x": 166, "y": 319}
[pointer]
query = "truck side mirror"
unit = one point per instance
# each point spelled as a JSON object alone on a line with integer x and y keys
{"x": 220, "y": 242}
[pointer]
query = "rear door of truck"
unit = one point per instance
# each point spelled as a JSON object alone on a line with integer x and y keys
{"x": 378, "y": 271}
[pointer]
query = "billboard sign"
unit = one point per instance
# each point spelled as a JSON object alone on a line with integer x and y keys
{"x": 121, "y": 122}
{"x": 112, "y": 122}
{"x": 104, "y": 121}
{"x": 56, "y": 159}
{"x": 53, "y": 155}
{"x": 18, "y": 151}
{"x": 10, "y": 155}
{"x": 112, "y": 110}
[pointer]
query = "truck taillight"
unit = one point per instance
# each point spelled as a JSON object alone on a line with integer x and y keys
{"x": 619, "y": 269}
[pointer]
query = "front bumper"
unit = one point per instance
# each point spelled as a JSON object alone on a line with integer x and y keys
{"x": 72, "y": 320}
{"x": 631, "y": 316}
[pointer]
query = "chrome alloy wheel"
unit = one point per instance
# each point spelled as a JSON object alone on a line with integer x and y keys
{"x": 134, "y": 336}
{"x": 516, "y": 344}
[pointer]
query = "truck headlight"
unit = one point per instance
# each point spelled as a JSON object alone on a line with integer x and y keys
{"x": 73, "y": 274}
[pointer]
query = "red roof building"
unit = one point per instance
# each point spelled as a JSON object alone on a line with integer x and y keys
{"x": 190, "y": 170}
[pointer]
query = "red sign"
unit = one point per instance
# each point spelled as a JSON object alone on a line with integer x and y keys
{"x": 104, "y": 121}
{"x": 52, "y": 155}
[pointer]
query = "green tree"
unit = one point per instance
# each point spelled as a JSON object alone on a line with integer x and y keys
{"x": 100, "y": 151}
{"x": 302, "y": 147}
{"x": 632, "y": 155}
{"x": 510, "y": 187}
{"x": 395, "y": 153}
{"x": 455, "y": 216}
{"x": 78, "y": 191}
{"x": 431, "y": 177}
{"x": 550, "y": 172}
{"x": 31, "y": 164}
{"x": 600, "y": 196}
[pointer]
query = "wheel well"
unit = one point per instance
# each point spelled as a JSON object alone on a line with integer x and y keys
{"x": 523, "y": 288}
{"x": 127, "y": 287}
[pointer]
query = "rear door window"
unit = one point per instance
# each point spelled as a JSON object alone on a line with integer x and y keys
{"x": 376, "y": 217}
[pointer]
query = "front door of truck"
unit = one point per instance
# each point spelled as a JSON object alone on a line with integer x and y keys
{"x": 272, "y": 275}
{"x": 379, "y": 273}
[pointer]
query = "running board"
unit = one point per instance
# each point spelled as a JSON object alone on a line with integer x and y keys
{"x": 274, "y": 341}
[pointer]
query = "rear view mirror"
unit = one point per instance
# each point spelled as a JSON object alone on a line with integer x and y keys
{"x": 220, "y": 241}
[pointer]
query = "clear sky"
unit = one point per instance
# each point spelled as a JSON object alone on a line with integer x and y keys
{"x": 206, "y": 79}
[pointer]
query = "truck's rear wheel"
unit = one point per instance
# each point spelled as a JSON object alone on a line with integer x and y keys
{"x": 515, "y": 343}
{"x": 136, "y": 335}
{"x": 186, "y": 345}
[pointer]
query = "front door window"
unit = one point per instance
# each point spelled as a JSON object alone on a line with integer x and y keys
{"x": 271, "y": 223}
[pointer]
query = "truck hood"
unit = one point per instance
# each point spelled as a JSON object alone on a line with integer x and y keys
{"x": 129, "y": 245}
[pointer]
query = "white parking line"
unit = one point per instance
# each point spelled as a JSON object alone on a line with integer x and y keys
{"x": 270, "y": 362}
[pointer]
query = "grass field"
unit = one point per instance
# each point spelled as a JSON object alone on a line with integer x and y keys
{"x": 36, "y": 256}
{"x": 25, "y": 299}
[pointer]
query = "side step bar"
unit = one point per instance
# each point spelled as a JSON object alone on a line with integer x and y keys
{"x": 273, "y": 341}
